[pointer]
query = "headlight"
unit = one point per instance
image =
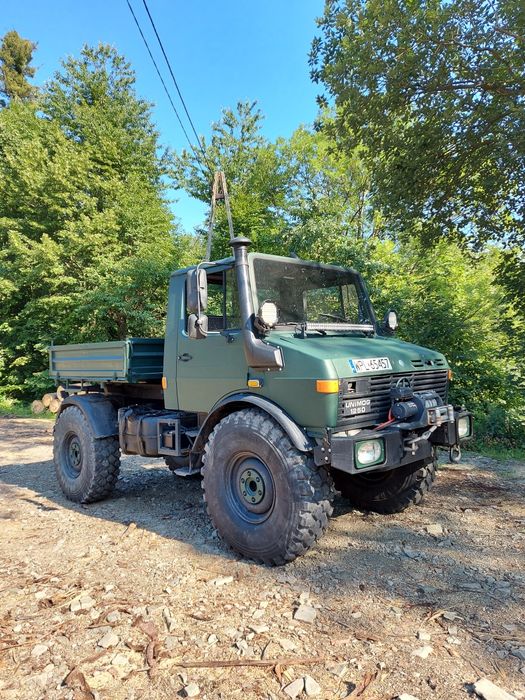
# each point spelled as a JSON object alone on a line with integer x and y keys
{"x": 464, "y": 427}
{"x": 369, "y": 452}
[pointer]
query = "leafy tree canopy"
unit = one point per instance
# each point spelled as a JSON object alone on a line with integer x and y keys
{"x": 87, "y": 240}
{"x": 16, "y": 55}
{"x": 435, "y": 92}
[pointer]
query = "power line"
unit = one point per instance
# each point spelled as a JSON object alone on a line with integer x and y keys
{"x": 163, "y": 83}
{"x": 175, "y": 83}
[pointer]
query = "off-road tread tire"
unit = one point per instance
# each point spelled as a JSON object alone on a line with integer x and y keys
{"x": 408, "y": 487}
{"x": 311, "y": 488}
{"x": 101, "y": 459}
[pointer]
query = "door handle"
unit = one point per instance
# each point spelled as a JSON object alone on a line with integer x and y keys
{"x": 185, "y": 357}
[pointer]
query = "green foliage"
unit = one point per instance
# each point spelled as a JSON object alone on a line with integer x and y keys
{"x": 254, "y": 174}
{"x": 86, "y": 236}
{"x": 16, "y": 55}
{"x": 10, "y": 408}
{"x": 451, "y": 301}
{"x": 435, "y": 92}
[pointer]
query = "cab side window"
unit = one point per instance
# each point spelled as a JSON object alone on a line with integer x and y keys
{"x": 223, "y": 302}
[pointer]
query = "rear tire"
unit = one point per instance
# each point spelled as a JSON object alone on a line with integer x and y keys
{"x": 266, "y": 499}
{"x": 86, "y": 467}
{"x": 389, "y": 491}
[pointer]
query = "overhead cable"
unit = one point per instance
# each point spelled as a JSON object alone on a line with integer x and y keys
{"x": 176, "y": 84}
{"x": 163, "y": 83}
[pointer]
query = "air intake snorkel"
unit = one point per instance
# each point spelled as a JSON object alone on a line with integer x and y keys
{"x": 259, "y": 355}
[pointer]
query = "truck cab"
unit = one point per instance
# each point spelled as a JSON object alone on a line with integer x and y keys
{"x": 278, "y": 386}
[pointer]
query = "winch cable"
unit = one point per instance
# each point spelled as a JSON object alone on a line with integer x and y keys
{"x": 390, "y": 420}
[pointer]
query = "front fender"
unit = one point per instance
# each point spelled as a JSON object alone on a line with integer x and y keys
{"x": 99, "y": 411}
{"x": 236, "y": 402}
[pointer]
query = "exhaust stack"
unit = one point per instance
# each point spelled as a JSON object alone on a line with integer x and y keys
{"x": 259, "y": 355}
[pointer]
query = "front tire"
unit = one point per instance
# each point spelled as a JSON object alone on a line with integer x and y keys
{"x": 266, "y": 499}
{"x": 86, "y": 467}
{"x": 389, "y": 491}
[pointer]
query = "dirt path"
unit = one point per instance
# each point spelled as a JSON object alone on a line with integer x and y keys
{"x": 145, "y": 575}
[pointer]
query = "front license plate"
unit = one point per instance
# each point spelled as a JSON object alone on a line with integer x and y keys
{"x": 370, "y": 364}
{"x": 354, "y": 407}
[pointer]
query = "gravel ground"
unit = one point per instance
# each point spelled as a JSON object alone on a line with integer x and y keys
{"x": 135, "y": 597}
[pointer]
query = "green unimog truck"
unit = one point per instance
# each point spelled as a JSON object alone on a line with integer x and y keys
{"x": 276, "y": 383}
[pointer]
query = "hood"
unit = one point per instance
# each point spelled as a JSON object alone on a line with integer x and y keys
{"x": 403, "y": 357}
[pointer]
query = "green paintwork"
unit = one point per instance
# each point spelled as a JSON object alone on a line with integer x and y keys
{"x": 312, "y": 358}
{"x": 217, "y": 365}
{"x": 132, "y": 360}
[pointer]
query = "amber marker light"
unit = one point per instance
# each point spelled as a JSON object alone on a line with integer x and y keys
{"x": 327, "y": 386}
{"x": 450, "y": 374}
{"x": 254, "y": 383}
{"x": 164, "y": 383}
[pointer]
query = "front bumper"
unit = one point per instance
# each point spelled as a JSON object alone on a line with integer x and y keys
{"x": 400, "y": 446}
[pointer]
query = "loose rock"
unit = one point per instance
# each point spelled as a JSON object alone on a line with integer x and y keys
{"x": 489, "y": 691}
{"x": 110, "y": 639}
{"x": 435, "y": 530}
{"x": 39, "y": 649}
{"x": 294, "y": 688}
{"x": 311, "y": 687}
{"x": 305, "y": 613}
{"x": 423, "y": 652}
{"x": 191, "y": 690}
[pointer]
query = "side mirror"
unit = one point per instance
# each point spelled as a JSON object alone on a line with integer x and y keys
{"x": 196, "y": 290}
{"x": 390, "y": 322}
{"x": 266, "y": 317}
{"x": 197, "y": 326}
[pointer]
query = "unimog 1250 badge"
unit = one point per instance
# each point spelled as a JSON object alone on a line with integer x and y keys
{"x": 370, "y": 364}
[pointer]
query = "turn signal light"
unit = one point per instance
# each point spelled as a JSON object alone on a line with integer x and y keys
{"x": 327, "y": 386}
{"x": 450, "y": 374}
{"x": 164, "y": 383}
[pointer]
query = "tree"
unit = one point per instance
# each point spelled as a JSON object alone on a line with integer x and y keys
{"x": 87, "y": 240}
{"x": 255, "y": 177}
{"x": 435, "y": 92}
{"x": 16, "y": 55}
{"x": 451, "y": 301}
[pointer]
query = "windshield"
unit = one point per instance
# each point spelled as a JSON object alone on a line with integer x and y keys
{"x": 309, "y": 293}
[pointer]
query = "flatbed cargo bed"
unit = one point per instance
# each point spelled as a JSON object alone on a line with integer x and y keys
{"x": 132, "y": 360}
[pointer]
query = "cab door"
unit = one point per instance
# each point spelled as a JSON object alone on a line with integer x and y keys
{"x": 209, "y": 368}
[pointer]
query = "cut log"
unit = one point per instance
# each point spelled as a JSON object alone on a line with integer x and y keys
{"x": 54, "y": 406}
{"x": 47, "y": 398}
{"x": 37, "y": 407}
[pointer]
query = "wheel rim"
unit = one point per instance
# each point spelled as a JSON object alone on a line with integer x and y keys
{"x": 73, "y": 455}
{"x": 250, "y": 489}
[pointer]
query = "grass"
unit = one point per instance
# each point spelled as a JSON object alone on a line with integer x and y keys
{"x": 501, "y": 453}
{"x": 11, "y": 408}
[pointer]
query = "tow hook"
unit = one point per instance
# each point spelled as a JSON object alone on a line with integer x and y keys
{"x": 455, "y": 454}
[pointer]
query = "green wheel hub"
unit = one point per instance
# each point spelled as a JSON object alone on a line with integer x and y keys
{"x": 73, "y": 455}
{"x": 249, "y": 487}
{"x": 252, "y": 486}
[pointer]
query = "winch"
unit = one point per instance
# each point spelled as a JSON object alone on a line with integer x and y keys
{"x": 417, "y": 409}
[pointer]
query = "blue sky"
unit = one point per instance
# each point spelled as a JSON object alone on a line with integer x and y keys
{"x": 221, "y": 52}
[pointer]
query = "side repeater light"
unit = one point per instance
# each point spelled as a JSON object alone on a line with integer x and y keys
{"x": 327, "y": 386}
{"x": 164, "y": 383}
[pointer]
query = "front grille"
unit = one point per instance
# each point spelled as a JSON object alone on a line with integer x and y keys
{"x": 365, "y": 401}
